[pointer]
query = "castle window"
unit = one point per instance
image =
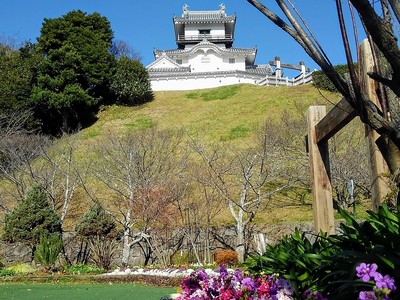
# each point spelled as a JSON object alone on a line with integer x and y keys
{"x": 204, "y": 31}
{"x": 179, "y": 61}
{"x": 232, "y": 61}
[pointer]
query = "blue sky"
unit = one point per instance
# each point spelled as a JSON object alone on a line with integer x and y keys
{"x": 147, "y": 24}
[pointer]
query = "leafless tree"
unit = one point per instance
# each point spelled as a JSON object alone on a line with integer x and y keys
{"x": 378, "y": 19}
{"x": 246, "y": 179}
{"x": 349, "y": 161}
{"x": 66, "y": 171}
{"x": 206, "y": 205}
{"x": 122, "y": 49}
{"x": 139, "y": 172}
{"x": 28, "y": 159}
{"x": 18, "y": 149}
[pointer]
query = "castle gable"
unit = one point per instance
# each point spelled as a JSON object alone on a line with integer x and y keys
{"x": 163, "y": 62}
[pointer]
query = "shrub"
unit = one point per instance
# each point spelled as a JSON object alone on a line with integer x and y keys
{"x": 103, "y": 251}
{"x": 21, "y": 269}
{"x": 295, "y": 258}
{"x": 80, "y": 269}
{"x": 49, "y": 248}
{"x": 321, "y": 81}
{"x": 30, "y": 219}
{"x": 6, "y": 272}
{"x": 376, "y": 241}
{"x": 96, "y": 222}
{"x": 226, "y": 257}
{"x": 329, "y": 263}
{"x": 182, "y": 258}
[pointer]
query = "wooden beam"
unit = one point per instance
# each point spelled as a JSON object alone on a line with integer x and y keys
{"x": 320, "y": 174}
{"x": 335, "y": 120}
{"x": 377, "y": 165}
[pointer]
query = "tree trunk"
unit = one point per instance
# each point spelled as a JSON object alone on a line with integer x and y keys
{"x": 126, "y": 239}
{"x": 240, "y": 247}
{"x": 126, "y": 247}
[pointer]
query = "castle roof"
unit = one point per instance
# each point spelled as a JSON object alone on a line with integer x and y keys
{"x": 248, "y": 52}
{"x": 211, "y": 16}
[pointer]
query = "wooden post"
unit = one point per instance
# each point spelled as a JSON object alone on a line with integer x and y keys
{"x": 378, "y": 167}
{"x": 320, "y": 174}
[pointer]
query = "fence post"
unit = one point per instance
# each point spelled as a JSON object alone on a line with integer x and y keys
{"x": 320, "y": 174}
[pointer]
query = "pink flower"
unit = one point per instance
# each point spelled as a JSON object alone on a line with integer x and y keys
{"x": 263, "y": 290}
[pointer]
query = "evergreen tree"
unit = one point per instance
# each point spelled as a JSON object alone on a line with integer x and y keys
{"x": 32, "y": 218}
{"x": 17, "y": 72}
{"x": 97, "y": 230}
{"x": 96, "y": 222}
{"x": 130, "y": 82}
{"x": 73, "y": 78}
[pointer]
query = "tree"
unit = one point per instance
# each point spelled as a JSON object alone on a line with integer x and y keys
{"x": 246, "y": 179}
{"x": 73, "y": 77}
{"x": 199, "y": 211}
{"x": 28, "y": 159}
{"x": 17, "y": 68}
{"x": 120, "y": 49}
{"x": 379, "y": 29}
{"x": 18, "y": 151}
{"x": 349, "y": 161}
{"x": 135, "y": 167}
{"x": 32, "y": 218}
{"x": 130, "y": 82}
{"x": 97, "y": 228}
{"x": 96, "y": 222}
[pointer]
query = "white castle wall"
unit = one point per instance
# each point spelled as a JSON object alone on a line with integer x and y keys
{"x": 182, "y": 83}
{"x": 207, "y": 60}
{"x": 193, "y": 29}
{"x": 198, "y": 82}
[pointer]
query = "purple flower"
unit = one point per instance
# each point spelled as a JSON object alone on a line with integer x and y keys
{"x": 384, "y": 282}
{"x": 366, "y": 271}
{"x": 248, "y": 283}
{"x": 367, "y": 295}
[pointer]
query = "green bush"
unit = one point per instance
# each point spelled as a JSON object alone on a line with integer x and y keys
{"x": 21, "y": 268}
{"x": 33, "y": 217}
{"x": 329, "y": 263}
{"x": 377, "y": 240}
{"x": 294, "y": 258}
{"x": 80, "y": 269}
{"x": 49, "y": 248}
{"x": 96, "y": 222}
{"x": 321, "y": 81}
{"x": 6, "y": 272}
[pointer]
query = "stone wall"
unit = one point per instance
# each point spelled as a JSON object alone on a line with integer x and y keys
{"x": 17, "y": 252}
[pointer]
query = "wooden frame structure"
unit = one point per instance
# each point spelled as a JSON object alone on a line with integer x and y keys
{"x": 321, "y": 127}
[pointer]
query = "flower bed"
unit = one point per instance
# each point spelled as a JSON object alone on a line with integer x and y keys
{"x": 228, "y": 284}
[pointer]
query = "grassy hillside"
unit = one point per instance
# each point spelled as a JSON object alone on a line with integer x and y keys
{"x": 223, "y": 114}
{"x": 226, "y": 113}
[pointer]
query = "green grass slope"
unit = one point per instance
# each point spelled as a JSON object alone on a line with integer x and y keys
{"x": 227, "y": 114}
{"x": 220, "y": 114}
